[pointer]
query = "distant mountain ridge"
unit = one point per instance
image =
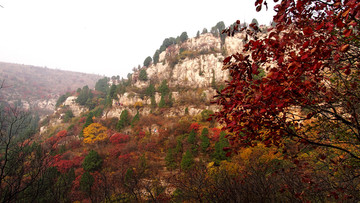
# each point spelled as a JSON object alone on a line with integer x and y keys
{"x": 38, "y": 88}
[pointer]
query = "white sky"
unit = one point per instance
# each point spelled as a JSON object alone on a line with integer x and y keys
{"x": 107, "y": 37}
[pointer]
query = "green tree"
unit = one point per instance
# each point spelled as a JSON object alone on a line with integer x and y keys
{"x": 220, "y": 26}
{"x": 89, "y": 120}
{"x": 84, "y": 95}
{"x": 204, "y": 31}
{"x": 124, "y": 120}
{"x": 170, "y": 159}
{"x": 156, "y": 56}
{"x": 205, "y": 132}
{"x": 61, "y": 100}
{"x": 68, "y": 115}
{"x": 112, "y": 92}
{"x": 164, "y": 88}
{"x": 86, "y": 182}
{"x": 192, "y": 137}
{"x": 143, "y": 75}
{"x": 166, "y": 43}
{"x": 179, "y": 146}
{"x": 162, "y": 102}
{"x": 219, "y": 153}
{"x": 135, "y": 119}
{"x": 198, "y": 34}
{"x": 102, "y": 85}
{"x": 205, "y": 141}
{"x": 205, "y": 114}
{"x": 214, "y": 31}
{"x": 150, "y": 90}
{"x": 111, "y": 95}
{"x": 187, "y": 161}
{"x": 92, "y": 162}
{"x": 153, "y": 101}
{"x": 183, "y": 37}
{"x": 147, "y": 61}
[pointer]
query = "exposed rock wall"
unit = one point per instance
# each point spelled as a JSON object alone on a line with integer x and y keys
{"x": 198, "y": 69}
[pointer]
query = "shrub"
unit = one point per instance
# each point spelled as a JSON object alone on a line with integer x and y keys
{"x": 119, "y": 138}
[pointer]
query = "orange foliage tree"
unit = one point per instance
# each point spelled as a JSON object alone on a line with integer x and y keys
{"x": 95, "y": 132}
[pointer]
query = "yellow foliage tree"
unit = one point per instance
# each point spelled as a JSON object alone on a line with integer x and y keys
{"x": 138, "y": 105}
{"x": 95, "y": 132}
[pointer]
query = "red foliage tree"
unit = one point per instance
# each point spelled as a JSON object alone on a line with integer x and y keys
{"x": 216, "y": 134}
{"x": 63, "y": 166}
{"x": 195, "y": 127}
{"x": 61, "y": 134}
{"x": 119, "y": 138}
{"x": 310, "y": 92}
{"x": 125, "y": 158}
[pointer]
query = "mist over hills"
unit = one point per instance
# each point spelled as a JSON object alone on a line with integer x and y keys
{"x": 37, "y": 88}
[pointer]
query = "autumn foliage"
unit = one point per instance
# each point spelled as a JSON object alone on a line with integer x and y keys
{"x": 95, "y": 132}
{"x": 310, "y": 92}
{"x": 119, "y": 138}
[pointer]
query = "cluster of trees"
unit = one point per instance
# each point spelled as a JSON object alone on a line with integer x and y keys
{"x": 166, "y": 43}
{"x": 310, "y": 94}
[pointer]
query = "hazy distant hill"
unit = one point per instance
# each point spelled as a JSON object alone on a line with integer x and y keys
{"x": 39, "y": 87}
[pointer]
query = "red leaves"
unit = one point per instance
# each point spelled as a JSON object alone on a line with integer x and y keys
{"x": 346, "y": 13}
{"x": 258, "y": 2}
{"x": 321, "y": 25}
{"x": 347, "y": 32}
{"x": 227, "y": 60}
{"x": 307, "y": 31}
{"x": 258, "y": 8}
{"x": 345, "y": 47}
{"x": 119, "y": 138}
{"x": 194, "y": 126}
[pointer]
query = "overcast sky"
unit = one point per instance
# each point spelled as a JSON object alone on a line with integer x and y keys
{"x": 107, "y": 37}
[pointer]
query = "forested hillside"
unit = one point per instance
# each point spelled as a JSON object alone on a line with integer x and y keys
{"x": 243, "y": 113}
{"x": 37, "y": 88}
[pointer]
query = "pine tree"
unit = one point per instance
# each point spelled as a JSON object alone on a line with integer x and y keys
{"x": 86, "y": 182}
{"x": 150, "y": 90}
{"x": 192, "y": 137}
{"x": 143, "y": 75}
{"x": 187, "y": 161}
{"x": 92, "y": 162}
{"x": 147, "y": 61}
{"x": 170, "y": 159}
{"x": 219, "y": 153}
{"x": 164, "y": 88}
{"x": 135, "y": 119}
{"x": 153, "y": 102}
{"x": 124, "y": 120}
{"x": 205, "y": 141}
{"x": 162, "y": 103}
{"x": 89, "y": 120}
{"x": 156, "y": 56}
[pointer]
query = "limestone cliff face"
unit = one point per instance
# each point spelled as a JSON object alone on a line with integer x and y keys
{"x": 75, "y": 108}
{"x": 194, "y": 63}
